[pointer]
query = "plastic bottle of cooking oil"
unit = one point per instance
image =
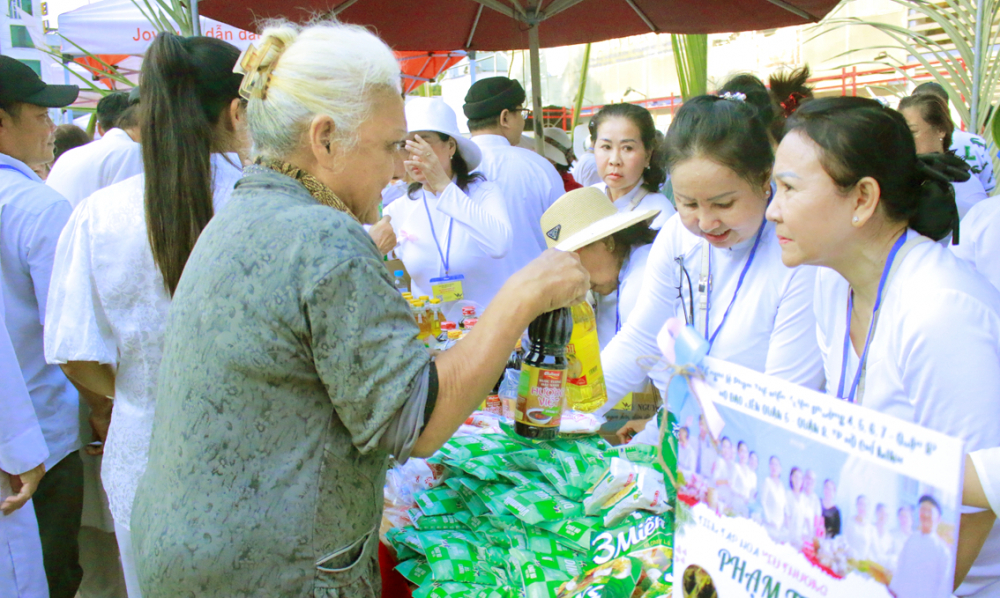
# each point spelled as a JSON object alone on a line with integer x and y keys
{"x": 585, "y": 389}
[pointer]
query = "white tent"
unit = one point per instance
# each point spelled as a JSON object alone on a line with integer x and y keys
{"x": 118, "y": 27}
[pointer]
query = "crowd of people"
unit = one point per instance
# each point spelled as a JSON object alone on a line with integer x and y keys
{"x": 206, "y": 286}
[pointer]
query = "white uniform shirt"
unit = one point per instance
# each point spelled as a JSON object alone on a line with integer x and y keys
{"x": 922, "y": 569}
{"x": 31, "y": 220}
{"x": 650, "y": 201}
{"x": 108, "y": 304}
{"x": 860, "y": 538}
{"x": 584, "y": 170}
{"x": 980, "y": 239}
{"x": 687, "y": 457}
{"x": 22, "y": 447}
{"x": 799, "y": 511}
{"x": 620, "y": 303}
{"x": 529, "y": 185}
{"x": 83, "y": 170}
{"x": 967, "y": 195}
{"x": 773, "y": 502}
{"x": 770, "y": 329}
{"x": 972, "y": 148}
{"x": 938, "y": 338}
{"x": 744, "y": 481}
{"x": 480, "y": 239}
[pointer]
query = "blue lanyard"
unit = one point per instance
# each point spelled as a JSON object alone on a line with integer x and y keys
{"x": 739, "y": 283}
{"x": 17, "y": 170}
{"x": 871, "y": 327}
{"x": 446, "y": 256}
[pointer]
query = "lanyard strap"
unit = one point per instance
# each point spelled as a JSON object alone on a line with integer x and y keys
{"x": 643, "y": 192}
{"x": 705, "y": 285}
{"x": 896, "y": 255}
{"x": 446, "y": 256}
{"x": 11, "y": 168}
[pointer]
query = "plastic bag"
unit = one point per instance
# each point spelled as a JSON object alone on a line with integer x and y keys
{"x": 533, "y": 505}
{"x": 615, "y": 579}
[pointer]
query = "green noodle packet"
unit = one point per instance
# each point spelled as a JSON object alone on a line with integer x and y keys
{"x": 465, "y": 490}
{"x": 533, "y": 504}
{"x": 523, "y": 478}
{"x": 493, "y": 495}
{"x": 485, "y": 468}
{"x": 439, "y": 501}
{"x": 616, "y": 479}
{"x": 576, "y": 531}
{"x": 453, "y": 560}
{"x": 541, "y": 575}
{"x": 538, "y": 544}
{"x": 434, "y": 522}
{"x": 463, "y": 448}
{"x": 643, "y": 454}
{"x": 405, "y": 541}
{"x": 615, "y": 579}
{"x": 450, "y": 589}
{"x": 416, "y": 571}
{"x": 637, "y": 532}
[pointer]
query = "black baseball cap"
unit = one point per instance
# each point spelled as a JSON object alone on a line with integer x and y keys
{"x": 19, "y": 83}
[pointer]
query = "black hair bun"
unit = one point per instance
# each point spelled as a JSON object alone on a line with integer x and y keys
{"x": 937, "y": 213}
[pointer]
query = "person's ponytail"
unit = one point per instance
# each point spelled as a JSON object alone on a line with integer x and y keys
{"x": 936, "y": 213}
{"x": 185, "y": 85}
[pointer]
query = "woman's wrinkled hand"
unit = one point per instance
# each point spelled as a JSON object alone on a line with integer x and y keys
{"x": 425, "y": 167}
{"x": 553, "y": 280}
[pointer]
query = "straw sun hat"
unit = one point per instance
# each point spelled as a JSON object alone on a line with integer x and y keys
{"x": 432, "y": 114}
{"x": 585, "y": 216}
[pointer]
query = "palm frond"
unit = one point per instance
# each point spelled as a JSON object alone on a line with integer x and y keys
{"x": 691, "y": 61}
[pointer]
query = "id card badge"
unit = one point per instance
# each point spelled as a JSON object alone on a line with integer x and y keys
{"x": 448, "y": 288}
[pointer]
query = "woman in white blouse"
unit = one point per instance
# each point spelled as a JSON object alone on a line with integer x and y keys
{"x": 774, "y": 501}
{"x": 717, "y": 263}
{"x": 451, "y": 224}
{"x": 114, "y": 276}
{"x": 905, "y": 327}
{"x": 799, "y": 512}
{"x": 629, "y": 160}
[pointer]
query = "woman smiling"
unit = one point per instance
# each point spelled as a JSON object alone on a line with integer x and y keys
{"x": 717, "y": 263}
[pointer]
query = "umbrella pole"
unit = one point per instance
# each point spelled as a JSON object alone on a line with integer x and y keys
{"x": 195, "y": 18}
{"x": 536, "y": 88}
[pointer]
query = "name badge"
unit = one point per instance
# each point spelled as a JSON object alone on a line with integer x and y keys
{"x": 448, "y": 288}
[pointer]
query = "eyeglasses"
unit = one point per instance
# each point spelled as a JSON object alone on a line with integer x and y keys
{"x": 686, "y": 307}
{"x": 525, "y": 112}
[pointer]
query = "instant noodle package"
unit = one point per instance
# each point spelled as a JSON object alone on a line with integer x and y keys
{"x": 515, "y": 517}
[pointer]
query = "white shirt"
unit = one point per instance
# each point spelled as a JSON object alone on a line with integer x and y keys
{"x": 860, "y": 538}
{"x": 987, "y": 464}
{"x": 706, "y": 452}
{"x": 922, "y": 569}
{"x": 882, "y": 548}
{"x": 22, "y": 447}
{"x": 480, "y": 239}
{"x": 109, "y": 305}
{"x": 801, "y": 523}
{"x": 770, "y": 329}
{"x": 31, "y": 220}
{"x": 773, "y": 501}
{"x": 584, "y": 170}
{"x": 529, "y": 185}
{"x": 620, "y": 303}
{"x": 980, "y": 239}
{"x": 83, "y": 170}
{"x": 938, "y": 338}
{"x": 743, "y": 481}
{"x": 972, "y": 148}
{"x": 967, "y": 195}
{"x": 687, "y": 457}
{"x": 649, "y": 201}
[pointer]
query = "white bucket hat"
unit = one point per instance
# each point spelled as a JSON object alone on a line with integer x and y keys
{"x": 557, "y": 142}
{"x": 432, "y": 114}
{"x": 581, "y": 139}
{"x": 585, "y": 216}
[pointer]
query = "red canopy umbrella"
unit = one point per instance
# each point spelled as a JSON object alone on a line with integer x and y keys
{"x": 514, "y": 24}
{"x": 420, "y": 67}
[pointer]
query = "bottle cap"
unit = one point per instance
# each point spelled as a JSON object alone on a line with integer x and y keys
{"x": 399, "y": 273}
{"x": 468, "y": 311}
{"x": 424, "y": 298}
{"x": 408, "y": 296}
{"x": 435, "y": 301}
{"x": 418, "y": 304}
{"x": 454, "y": 335}
{"x": 448, "y": 325}
{"x": 471, "y": 322}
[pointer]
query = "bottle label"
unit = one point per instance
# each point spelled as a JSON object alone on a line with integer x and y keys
{"x": 540, "y": 396}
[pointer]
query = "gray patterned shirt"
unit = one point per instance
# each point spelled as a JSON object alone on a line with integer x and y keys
{"x": 288, "y": 356}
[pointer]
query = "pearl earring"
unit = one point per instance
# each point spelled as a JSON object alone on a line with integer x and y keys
{"x": 856, "y": 219}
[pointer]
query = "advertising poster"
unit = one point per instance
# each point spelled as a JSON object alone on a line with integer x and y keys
{"x": 804, "y": 495}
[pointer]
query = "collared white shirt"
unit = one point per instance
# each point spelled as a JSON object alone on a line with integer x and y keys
{"x": 968, "y": 194}
{"x": 973, "y": 149}
{"x": 938, "y": 338}
{"x": 771, "y": 327}
{"x": 22, "y": 447}
{"x": 923, "y": 568}
{"x": 83, "y": 170}
{"x": 480, "y": 238}
{"x": 529, "y": 185}
{"x": 650, "y": 201}
{"x": 584, "y": 170}
{"x": 617, "y": 307}
{"x": 108, "y": 304}
{"x": 31, "y": 220}
{"x": 980, "y": 239}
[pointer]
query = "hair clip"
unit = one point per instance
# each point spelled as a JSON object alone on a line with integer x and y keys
{"x": 255, "y": 76}
{"x": 734, "y": 96}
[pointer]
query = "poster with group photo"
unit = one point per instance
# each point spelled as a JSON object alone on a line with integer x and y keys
{"x": 805, "y": 495}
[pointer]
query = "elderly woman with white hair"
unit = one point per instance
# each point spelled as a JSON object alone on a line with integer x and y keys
{"x": 291, "y": 368}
